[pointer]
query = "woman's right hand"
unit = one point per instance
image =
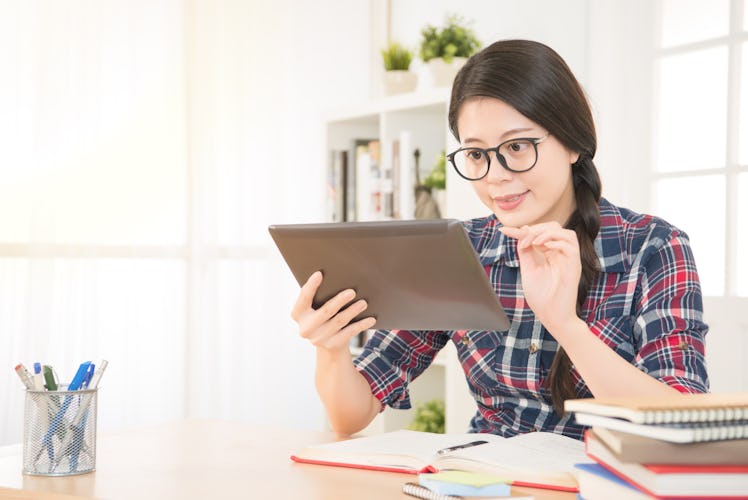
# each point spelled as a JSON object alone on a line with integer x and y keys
{"x": 328, "y": 326}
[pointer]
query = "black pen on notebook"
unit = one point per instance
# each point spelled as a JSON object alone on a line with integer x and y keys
{"x": 444, "y": 451}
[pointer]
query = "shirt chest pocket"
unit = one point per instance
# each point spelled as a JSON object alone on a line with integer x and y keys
{"x": 498, "y": 364}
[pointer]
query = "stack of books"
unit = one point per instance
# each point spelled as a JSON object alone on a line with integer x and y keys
{"x": 690, "y": 446}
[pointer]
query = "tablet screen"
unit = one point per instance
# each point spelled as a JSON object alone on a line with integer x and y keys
{"x": 414, "y": 274}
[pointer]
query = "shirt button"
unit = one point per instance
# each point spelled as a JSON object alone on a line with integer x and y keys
{"x": 683, "y": 346}
{"x": 533, "y": 348}
{"x": 465, "y": 339}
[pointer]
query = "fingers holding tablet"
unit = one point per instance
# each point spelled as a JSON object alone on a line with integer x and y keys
{"x": 329, "y": 326}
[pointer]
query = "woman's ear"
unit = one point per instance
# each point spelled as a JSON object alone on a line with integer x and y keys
{"x": 573, "y": 157}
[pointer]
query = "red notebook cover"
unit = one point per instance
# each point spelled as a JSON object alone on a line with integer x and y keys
{"x": 644, "y": 481}
{"x": 429, "y": 468}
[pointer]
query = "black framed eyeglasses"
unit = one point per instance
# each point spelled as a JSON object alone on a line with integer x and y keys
{"x": 515, "y": 155}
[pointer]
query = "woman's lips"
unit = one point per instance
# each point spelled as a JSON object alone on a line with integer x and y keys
{"x": 510, "y": 202}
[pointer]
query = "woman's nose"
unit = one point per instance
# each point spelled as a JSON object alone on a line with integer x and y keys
{"x": 496, "y": 170}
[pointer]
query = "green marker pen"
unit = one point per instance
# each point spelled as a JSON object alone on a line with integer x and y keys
{"x": 49, "y": 378}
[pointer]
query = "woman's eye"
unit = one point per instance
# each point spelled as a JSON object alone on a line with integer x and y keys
{"x": 473, "y": 154}
{"x": 517, "y": 146}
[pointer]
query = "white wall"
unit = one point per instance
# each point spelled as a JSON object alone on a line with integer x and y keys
{"x": 263, "y": 75}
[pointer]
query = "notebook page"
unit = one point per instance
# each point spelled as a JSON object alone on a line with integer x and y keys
{"x": 539, "y": 451}
{"x": 419, "y": 447}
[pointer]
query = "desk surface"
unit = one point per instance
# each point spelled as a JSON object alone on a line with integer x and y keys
{"x": 198, "y": 459}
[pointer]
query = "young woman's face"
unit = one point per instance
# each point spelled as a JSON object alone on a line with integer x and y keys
{"x": 542, "y": 194}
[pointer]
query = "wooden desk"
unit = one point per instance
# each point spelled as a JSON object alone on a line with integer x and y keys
{"x": 202, "y": 459}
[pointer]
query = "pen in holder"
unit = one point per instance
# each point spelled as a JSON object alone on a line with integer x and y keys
{"x": 59, "y": 432}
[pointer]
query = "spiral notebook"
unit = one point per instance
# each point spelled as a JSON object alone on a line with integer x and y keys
{"x": 709, "y": 407}
{"x": 681, "y": 418}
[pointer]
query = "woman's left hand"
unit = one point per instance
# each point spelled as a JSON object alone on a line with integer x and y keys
{"x": 550, "y": 266}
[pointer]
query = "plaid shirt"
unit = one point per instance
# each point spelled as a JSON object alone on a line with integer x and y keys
{"x": 645, "y": 305}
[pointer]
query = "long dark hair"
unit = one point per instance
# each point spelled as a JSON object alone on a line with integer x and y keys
{"x": 536, "y": 81}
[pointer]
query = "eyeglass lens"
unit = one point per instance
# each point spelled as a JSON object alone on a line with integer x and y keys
{"x": 517, "y": 155}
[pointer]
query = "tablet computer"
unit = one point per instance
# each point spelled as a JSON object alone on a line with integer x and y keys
{"x": 414, "y": 274}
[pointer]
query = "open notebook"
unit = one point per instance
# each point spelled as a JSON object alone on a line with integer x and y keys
{"x": 537, "y": 459}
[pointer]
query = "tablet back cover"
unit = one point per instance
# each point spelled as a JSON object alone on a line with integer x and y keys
{"x": 414, "y": 274}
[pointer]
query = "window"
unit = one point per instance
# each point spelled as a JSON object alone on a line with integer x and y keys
{"x": 699, "y": 172}
{"x": 700, "y": 160}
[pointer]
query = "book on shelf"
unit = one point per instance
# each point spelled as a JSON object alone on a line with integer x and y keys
{"x": 403, "y": 178}
{"x": 673, "y": 480}
{"x": 598, "y": 483}
{"x": 349, "y": 174}
{"x": 634, "y": 448}
{"x": 677, "y": 408}
{"x": 380, "y": 179}
{"x": 404, "y": 190}
{"x": 536, "y": 459}
{"x": 396, "y": 172}
{"x": 336, "y": 186}
{"x": 376, "y": 182}
{"x": 367, "y": 179}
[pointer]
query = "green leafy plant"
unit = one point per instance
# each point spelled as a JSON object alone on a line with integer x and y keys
{"x": 396, "y": 57}
{"x": 437, "y": 178}
{"x": 454, "y": 39}
{"x": 429, "y": 417}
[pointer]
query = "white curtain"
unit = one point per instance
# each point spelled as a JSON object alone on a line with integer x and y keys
{"x": 144, "y": 148}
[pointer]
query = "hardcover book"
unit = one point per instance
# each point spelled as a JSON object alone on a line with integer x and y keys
{"x": 673, "y": 481}
{"x": 634, "y": 448}
{"x": 598, "y": 483}
{"x": 537, "y": 459}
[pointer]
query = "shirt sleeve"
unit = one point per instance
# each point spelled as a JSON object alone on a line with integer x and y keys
{"x": 669, "y": 327}
{"x": 391, "y": 359}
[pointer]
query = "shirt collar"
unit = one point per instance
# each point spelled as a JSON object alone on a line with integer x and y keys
{"x": 609, "y": 243}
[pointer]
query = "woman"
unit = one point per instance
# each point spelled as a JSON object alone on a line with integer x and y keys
{"x": 603, "y": 301}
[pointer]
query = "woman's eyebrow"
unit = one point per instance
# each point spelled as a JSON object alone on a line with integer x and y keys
{"x": 503, "y": 136}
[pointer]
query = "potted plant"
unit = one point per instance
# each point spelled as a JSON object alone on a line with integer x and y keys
{"x": 397, "y": 76}
{"x": 430, "y": 194}
{"x": 436, "y": 181}
{"x": 429, "y": 417}
{"x": 447, "y": 48}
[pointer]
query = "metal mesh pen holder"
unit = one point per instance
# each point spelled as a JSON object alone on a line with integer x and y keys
{"x": 59, "y": 432}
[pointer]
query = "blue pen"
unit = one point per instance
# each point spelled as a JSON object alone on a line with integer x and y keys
{"x": 89, "y": 374}
{"x": 79, "y": 427}
{"x": 79, "y": 377}
{"x": 79, "y": 422}
{"x": 75, "y": 384}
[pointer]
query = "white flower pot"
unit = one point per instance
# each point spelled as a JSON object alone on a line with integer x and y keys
{"x": 442, "y": 73}
{"x": 399, "y": 81}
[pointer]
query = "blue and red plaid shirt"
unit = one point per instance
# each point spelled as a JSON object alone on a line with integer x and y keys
{"x": 646, "y": 305}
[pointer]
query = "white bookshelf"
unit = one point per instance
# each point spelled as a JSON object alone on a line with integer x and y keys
{"x": 419, "y": 120}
